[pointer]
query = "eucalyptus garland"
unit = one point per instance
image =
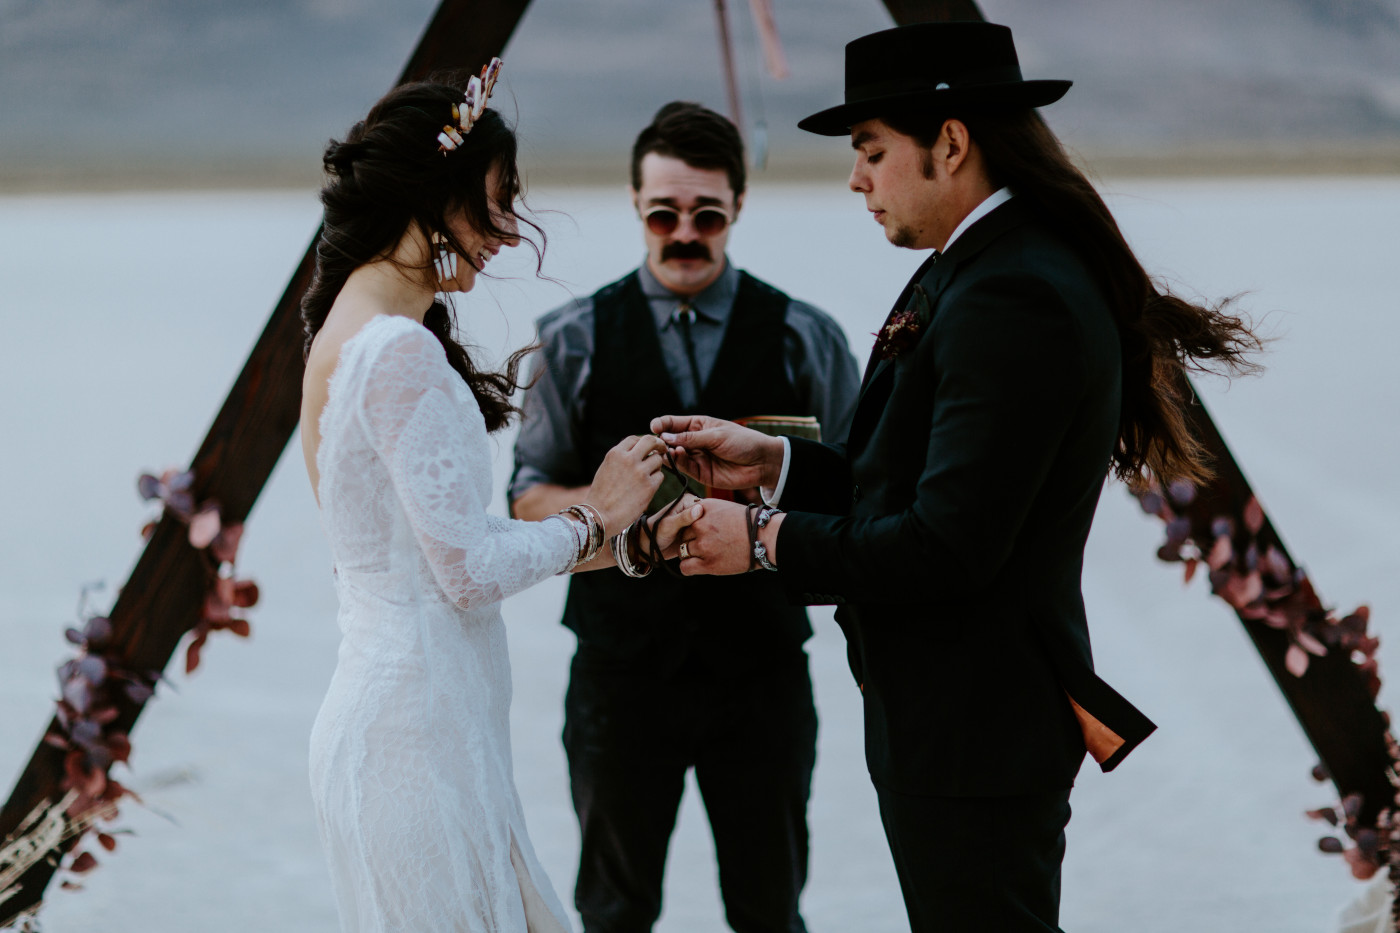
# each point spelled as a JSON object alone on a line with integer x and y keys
{"x": 1248, "y": 569}
{"x": 96, "y": 682}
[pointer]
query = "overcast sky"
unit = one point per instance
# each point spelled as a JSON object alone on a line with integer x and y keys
{"x": 93, "y": 82}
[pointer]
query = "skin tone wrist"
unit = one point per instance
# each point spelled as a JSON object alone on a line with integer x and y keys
{"x": 546, "y": 499}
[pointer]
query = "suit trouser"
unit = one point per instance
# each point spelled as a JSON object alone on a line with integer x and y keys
{"x": 978, "y": 864}
{"x": 630, "y": 739}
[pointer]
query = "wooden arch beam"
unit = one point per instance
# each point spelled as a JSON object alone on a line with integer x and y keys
{"x": 162, "y": 599}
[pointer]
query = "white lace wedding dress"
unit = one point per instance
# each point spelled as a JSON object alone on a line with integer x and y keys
{"x": 410, "y": 755}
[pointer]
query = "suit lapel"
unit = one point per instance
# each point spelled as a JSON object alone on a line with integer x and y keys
{"x": 934, "y": 275}
{"x": 874, "y": 362}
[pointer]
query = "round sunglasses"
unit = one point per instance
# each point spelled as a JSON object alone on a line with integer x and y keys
{"x": 664, "y": 221}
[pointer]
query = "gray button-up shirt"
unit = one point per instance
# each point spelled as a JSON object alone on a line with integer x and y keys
{"x": 816, "y": 360}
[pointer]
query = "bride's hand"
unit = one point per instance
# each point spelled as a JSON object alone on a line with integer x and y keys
{"x": 668, "y": 530}
{"x": 624, "y": 484}
{"x": 721, "y": 454}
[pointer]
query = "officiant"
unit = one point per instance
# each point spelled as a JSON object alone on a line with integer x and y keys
{"x": 672, "y": 674}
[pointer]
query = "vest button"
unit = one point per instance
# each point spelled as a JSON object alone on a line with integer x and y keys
{"x": 855, "y": 493}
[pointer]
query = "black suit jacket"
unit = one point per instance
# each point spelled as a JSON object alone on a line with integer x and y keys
{"x": 950, "y": 528}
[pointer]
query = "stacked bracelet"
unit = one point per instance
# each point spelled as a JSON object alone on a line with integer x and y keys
{"x": 597, "y": 532}
{"x": 622, "y": 547}
{"x": 592, "y": 534}
{"x": 593, "y": 512}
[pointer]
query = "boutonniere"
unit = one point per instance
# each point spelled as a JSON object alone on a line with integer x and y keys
{"x": 902, "y": 331}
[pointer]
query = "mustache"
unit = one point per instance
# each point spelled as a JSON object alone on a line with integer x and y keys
{"x": 685, "y": 251}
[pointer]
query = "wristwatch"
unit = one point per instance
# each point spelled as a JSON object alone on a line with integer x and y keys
{"x": 760, "y": 551}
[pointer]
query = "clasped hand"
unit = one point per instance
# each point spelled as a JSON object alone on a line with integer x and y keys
{"x": 717, "y": 542}
{"x": 630, "y": 474}
{"x": 722, "y": 455}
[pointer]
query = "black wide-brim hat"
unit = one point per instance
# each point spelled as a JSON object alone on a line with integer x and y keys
{"x": 945, "y": 68}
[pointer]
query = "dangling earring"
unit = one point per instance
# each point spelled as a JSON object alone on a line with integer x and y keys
{"x": 444, "y": 259}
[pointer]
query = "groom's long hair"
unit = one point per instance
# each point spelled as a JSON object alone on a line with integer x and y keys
{"x": 1161, "y": 335}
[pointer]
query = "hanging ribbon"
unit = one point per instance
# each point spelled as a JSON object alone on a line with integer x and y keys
{"x": 773, "y": 55}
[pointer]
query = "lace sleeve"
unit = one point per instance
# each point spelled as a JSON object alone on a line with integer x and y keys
{"x": 438, "y": 459}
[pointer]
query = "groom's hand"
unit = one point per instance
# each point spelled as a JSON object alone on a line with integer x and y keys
{"x": 719, "y": 453}
{"x": 717, "y": 543}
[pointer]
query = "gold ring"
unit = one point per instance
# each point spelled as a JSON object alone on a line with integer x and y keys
{"x": 685, "y": 550}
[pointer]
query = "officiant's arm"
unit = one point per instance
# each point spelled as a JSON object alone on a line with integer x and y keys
{"x": 543, "y": 499}
{"x": 1010, "y": 371}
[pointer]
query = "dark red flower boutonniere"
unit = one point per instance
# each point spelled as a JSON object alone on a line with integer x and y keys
{"x": 904, "y": 328}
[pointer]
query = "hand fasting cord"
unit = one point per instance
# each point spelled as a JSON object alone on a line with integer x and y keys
{"x": 591, "y": 535}
{"x": 756, "y": 516}
{"x": 624, "y": 545}
{"x": 654, "y": 553}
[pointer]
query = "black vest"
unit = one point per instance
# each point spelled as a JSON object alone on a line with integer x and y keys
{"x": 662, "y": 624}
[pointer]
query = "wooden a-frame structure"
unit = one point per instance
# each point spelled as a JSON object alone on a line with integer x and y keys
{"x": 162, "y": 599}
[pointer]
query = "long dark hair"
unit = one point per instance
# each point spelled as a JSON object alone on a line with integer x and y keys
{"x": 388, "y": 174}
{"x": 1162, "y": 336}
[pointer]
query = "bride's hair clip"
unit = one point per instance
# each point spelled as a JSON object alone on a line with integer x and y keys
{"x": 466, "y": 113}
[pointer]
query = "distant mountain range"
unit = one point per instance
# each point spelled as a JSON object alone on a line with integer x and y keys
{"x": 182, "y": 91}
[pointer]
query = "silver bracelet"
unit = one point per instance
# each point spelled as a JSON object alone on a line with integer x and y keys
{"x": 760, "y": 554}
{"x": 619, "y": 553}
{"x": 760, "y": 550}
{"x": 579, "y": 523}
{"x": 623, "y": 559}
{"x": 594, "y": 530}
{"x": 597, "y": 519}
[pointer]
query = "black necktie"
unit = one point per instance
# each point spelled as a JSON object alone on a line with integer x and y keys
{"x": 685, "y": 314}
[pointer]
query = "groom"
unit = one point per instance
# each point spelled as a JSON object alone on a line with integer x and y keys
{"x": 949, "y": 530}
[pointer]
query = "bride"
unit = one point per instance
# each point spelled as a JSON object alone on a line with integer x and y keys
{"x": 410, "y": 755}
